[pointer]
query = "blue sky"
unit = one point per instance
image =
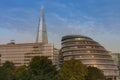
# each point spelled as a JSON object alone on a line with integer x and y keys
{"x": 98, "y": 19}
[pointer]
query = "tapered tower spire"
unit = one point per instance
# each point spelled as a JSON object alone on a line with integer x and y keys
{"x": 42, "y": 33}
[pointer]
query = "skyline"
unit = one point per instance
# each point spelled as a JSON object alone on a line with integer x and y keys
{"x": 96, "y": 19}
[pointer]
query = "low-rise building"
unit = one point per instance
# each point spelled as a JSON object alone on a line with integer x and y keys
{"x": 116, "y": 58}
{"x": 21, "y": 54}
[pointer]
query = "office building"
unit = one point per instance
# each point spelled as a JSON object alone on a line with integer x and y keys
{"x": 116, "y": 58}
{"x": 90, "y": 53}
{"x": 21, "y": 54}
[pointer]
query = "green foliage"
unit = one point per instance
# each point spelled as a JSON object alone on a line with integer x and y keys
{"x": 3, "y": 72}
{"x": 6, "y": 71}
{"x": 72, "y": 70}
{"x": 41, "y": 68}
{"x": 95, "y": 74}
{"x": 19, "y": 72}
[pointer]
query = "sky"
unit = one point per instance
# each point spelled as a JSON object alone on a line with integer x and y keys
{"x": 98, "y": 19}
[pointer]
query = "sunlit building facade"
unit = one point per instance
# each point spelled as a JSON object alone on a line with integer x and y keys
{"x": 116, "y": 58}
{"x": 90, "y": 53}
{"x": 56, "y": 57}
{"x": 21, "y": 54}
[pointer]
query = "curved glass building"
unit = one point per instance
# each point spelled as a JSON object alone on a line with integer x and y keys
{"x": 90, "y": 53}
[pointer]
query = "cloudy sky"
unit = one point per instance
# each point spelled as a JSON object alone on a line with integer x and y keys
{"x": 98, "y": 19}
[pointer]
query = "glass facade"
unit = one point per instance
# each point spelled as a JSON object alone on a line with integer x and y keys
{"x": 116, "y": 58}
{"x": 21, "y": 54}
{"x": 89, "y": 52}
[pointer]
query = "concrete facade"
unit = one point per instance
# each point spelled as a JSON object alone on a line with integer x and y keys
{"x": 21, "y": 54}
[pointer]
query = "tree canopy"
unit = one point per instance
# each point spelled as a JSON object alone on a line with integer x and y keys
{"x": 6, "y": 71}
{"x": 95, "y": 74}
{"x": 41, "y": 68}
{"x": 72, "y": 70}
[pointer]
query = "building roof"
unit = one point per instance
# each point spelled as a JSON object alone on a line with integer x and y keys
{"x": 22, "y": 44}
{"x": 74, "y": 36}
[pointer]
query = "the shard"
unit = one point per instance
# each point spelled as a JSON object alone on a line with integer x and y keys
{"x": 42, "y": 32}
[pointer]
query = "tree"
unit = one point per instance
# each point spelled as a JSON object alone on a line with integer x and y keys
{"x": 72, "y": 70}
{"x": 20, "y": 72}
{"x": 40, "y": 68}
{"x": 95, "y": 74}
{"x": 9, "y": 65}
{"x": 6, "y": 71}
{"x": 3, "y": 74}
